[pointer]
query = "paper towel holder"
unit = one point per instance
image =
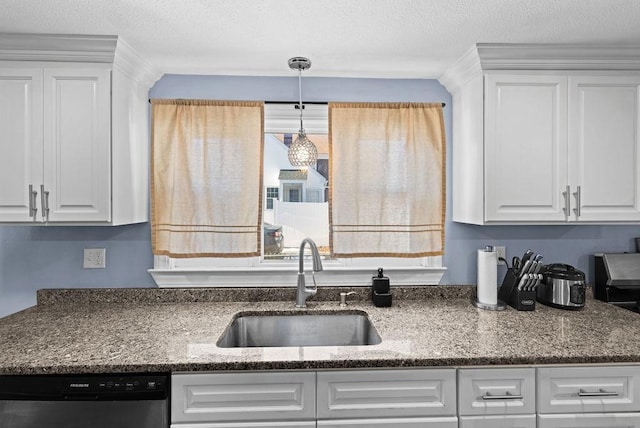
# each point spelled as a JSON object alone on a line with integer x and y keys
{"x": 500, "y": 306}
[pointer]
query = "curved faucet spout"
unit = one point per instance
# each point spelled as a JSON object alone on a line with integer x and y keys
{"x": 304, "y": 292}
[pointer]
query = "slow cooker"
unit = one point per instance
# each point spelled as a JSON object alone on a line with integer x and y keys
{"x": 562, "y": 287}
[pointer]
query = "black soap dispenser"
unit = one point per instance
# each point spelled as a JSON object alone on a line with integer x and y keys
{"x": 381, "y": 290}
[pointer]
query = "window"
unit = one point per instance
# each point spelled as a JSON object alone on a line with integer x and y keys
{"x": 279, "y": 271}
{"x": 271, "y": 194}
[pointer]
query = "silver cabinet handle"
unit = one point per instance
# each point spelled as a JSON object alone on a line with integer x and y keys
{"x": 567, "y": 201}
{"x": 32, "y": 202}
{"x": 44, "y": 195}
{"x": 577, "y": 208}
{"x": 506, "y": 396}
{"x": 600, "y": 393}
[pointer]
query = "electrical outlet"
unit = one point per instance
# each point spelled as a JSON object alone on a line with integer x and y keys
{"x": 95, "y": 258}
{"x": 502, "y": 252}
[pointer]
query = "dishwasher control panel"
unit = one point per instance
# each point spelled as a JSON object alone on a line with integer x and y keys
{"x": 85, "y": 387}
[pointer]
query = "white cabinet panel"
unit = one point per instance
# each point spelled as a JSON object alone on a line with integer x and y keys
{"x": 386, "y": 393}
{"x": 554, "y": 144}
{"x": 496, "y": 391}
{"x": 260, "y": 396}
{"x": 604, "y": 143}
{"x": 77, "y": 143}
{"x": 587, "y": 389}
{"x": 278, "y": 424}
{"x": 512, "y": 421}
{"x": 525, "y": 147}
{"x": 610, "y": 420}
{"x": 20, "y": 142}
{"x": 76, "y": 132}
{"x": 446, "y": 422}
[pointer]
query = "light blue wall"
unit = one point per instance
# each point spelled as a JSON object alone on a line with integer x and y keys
{"x": 48, "y": 257}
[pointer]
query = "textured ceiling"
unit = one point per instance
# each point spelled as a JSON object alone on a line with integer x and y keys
{"x": 349, "y": 38}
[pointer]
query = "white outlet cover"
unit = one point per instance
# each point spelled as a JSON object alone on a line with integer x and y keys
{"x": 94, "y": 258}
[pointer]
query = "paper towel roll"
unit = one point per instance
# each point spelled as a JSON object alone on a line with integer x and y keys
{"x": 488, "y": 276}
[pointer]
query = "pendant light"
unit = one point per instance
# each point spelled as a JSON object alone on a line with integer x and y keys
{"x": 302, "y": 152}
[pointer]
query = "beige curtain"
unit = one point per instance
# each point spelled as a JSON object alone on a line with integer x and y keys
{"x": 387, "y": 184}
{"x": 206, "y": 178}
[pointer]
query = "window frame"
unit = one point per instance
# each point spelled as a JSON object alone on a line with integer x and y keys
{"x": 256, "y": 272}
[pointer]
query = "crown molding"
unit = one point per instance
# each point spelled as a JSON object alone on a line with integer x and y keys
{"x": 57, "y": 47}
{"x": 132, "y": 64}
{"x": 559, "y": 57}
{"x": 105, "y": 49}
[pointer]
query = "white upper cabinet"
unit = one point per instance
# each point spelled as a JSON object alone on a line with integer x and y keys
{"x": 604, "y": 144}
{"x": 77, "y": 161}
{"x": 525, "y": 147}
{"x": 546, "y": 135}
{"x": 74, "y": 142}
{"x": 20, "y": 142}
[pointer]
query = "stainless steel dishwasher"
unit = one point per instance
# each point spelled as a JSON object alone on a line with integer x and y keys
{"x": 84, "y": 401}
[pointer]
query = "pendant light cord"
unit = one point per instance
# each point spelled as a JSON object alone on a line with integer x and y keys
{"x": 300, "y": 100}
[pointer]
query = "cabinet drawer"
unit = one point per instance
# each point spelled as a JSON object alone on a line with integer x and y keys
{"x": 386, "y": 393}
{"x": 588, "y": 389}
{"x": 445, "y": 422}
{"x": 511, "y": 421}
{"x": 595, "y": 420}
{"x": 496, "y": 391}
{"x": 228, "y": 397}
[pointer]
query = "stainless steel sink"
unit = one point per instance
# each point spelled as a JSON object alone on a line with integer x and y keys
{"x": 273, "y": 329}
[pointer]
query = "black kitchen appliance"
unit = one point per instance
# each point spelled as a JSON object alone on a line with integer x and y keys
{"x": 617, "y": 279}
{"x": 96, "y": 401}
{"x": 563, "y": 287}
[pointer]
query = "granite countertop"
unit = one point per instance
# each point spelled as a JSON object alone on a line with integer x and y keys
{"x": 115, "y": 331}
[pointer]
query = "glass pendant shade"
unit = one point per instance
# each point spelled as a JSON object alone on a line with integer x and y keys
{"x": 302, "y": 152}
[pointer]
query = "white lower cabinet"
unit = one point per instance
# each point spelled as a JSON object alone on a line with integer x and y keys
{"x": 233, "y": 399}
{"x": 387, "y": 398}
{"x": 595, "y": 420}
{"x": 279, "y": 424}
{"x": 443, "y": 422}
{"x": 581, "y": 396}
{"x": 511, "y": 421}
{"x": 497, "y": 398}
{"x": 588, "y": 396}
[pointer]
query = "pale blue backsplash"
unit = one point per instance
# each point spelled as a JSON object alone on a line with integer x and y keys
{"x": 50, "y": 257}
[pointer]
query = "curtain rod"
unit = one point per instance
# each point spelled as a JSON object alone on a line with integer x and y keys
{"x": 306, "y": 102}
{"x": 317, "y": 102}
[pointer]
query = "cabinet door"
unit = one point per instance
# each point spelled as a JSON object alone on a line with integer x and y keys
{"x": 20, "y": 141}
{"x": 496, "y": 391}
{"x": 588, "y": 389}
{"x": 512, "y": 421}
{"x": 599, "y": 420}
{"x": 525, "y": 148}
{"x": 446, "y": 422}
{"x": 604, "y": 147}
{"x": 386, "y": 393}
{"x": 77, "y": 152}
{"x": 243, "y": 397}
{"x": 278, "y": 424}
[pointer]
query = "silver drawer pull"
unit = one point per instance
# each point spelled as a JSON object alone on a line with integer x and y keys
{"x": 600, "y": 393}
{"x": 506, "y": 396}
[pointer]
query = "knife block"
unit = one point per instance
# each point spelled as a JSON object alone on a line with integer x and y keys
{"x": 520, "y": 300}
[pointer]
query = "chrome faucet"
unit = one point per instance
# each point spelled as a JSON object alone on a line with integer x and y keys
{"x": 303, "y": 292}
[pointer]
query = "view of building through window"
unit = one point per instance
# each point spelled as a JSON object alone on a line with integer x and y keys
{"x": 295, "y": 202}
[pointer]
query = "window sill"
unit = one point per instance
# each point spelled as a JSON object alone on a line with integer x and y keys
{"x": 278, "y": 276}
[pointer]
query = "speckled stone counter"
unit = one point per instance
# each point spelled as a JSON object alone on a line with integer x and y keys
{"x": 67, "y": 333}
